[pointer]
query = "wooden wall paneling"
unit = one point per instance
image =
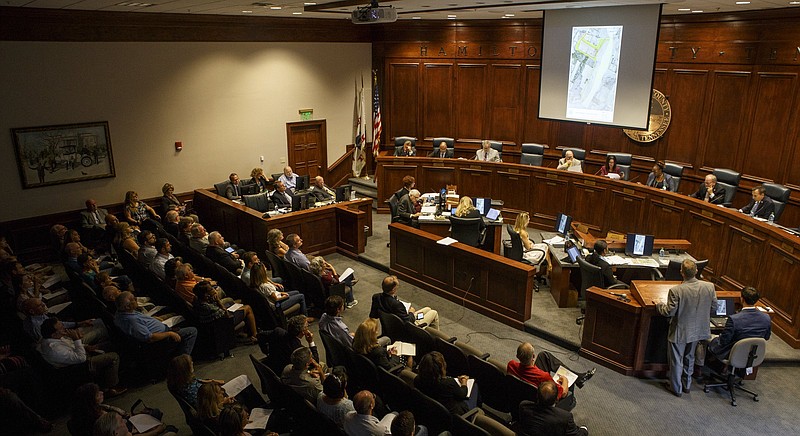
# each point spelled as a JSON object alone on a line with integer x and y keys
{"x": 548, "y": 200}
{"x": 433, "y": 178}
{"x": 664, "y": 219}
{"x": 609, "y": 139}
{"x": 726, "y": 119}
{"x": 504, "y": 108}
{"x": 402, "y": 100}
{"x": 437, "y": 98}
{"x": 588, "y": 203}
{"x": 707, "y": 235}
{"x": 470, "y": 100}
{"x": 534, "y": 129}
{"x": 687, "y": 90}
{"x": 570, "y": 134}
{"x": 437, "y": 268}
{"x": 784, "y": 266}
{"x": 744, "y": 246}
{"x": 475, "y": 181}
{"x": 391, "y": 180}
{"x": 514, "y": 189}
{"x": 626, "y": 206}
{"x": 769, "y": 143}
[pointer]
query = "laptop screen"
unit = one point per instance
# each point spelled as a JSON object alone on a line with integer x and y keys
{"x": 493, "y": 214}
{"x": 573, "y": 254}
{"x": 725, "y": 307}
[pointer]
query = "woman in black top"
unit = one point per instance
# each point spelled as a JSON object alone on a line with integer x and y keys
{"x": 434, "y": 382}
{"x": 366, "y": 343}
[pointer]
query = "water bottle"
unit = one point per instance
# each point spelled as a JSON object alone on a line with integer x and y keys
{"x": 662, "y": 252}
{"x": 771, "y": 219}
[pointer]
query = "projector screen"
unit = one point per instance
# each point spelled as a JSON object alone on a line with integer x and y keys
{"x": 597, "y": 64}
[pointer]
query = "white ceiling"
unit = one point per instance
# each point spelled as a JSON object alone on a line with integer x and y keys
{"x": 407, "y": 9}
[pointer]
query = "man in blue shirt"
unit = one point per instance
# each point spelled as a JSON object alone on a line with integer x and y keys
{"x": 288, "y": 178}
{"x": 294, "y": 255}
{"x": 145, "y": 328}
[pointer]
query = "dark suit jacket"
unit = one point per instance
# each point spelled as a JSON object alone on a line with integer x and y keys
{"x": 280, "y": 200}
{"x": 447, "y": 154}
{"x": 749, "y": 323}
{"x": 230, "y": 193}
{"x": 547, "y": 421}
{"x": 382, "y": 302}
{"x": 719, "y": 194}
{"x": 447, "y": 391}
{"x": 405, "y": 208}
{"x": 402, "y": 152}
{"x": 223, "y": 258}
{"x": 763, "y": 210}
{"x": 608, "y": 273}
{"x": 280, "y": 346}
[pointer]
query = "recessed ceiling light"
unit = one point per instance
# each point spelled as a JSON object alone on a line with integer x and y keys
{"x": 275, "y": 8}
{"x": 309, "y": 3}
{"x": 742, "y": 3}
{"x": 696, "y": 11}
{"x": 794, "y": 3}
{"x": 416, "y": 18}
{"x": 297, "y": 13}
{"x": 684, "y": 10}
{"x": 247, "y": 12}
{"x": 451, "y": 16}
{"x": 509, "y": 15}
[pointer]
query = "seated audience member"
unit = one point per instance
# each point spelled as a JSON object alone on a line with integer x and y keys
{"x": 611, "y": 167}
{"x": 104, "y": 279}
{"x": 185, "y": 230}
{"x": 276, "y": 244}
{"x": 434, "y": 382}
{"x": 361, "y": 422}
{"x": 405, "y": 425}
{"x": 124, "y": 239}
{"x": 232, "y": 420}
{"x": 288, "y": 178}
{"x": 136, "y": 212}
{"x": 169, "y": 270}
{"x": 208, "y": 307}
{"x": 92, "y": 330}
{"x": 211, "y": 400}
{"x": 144, "y": 328}
{"x": 332, "y": 322}
{"x": 111, "y": 292}
{"x": 199, "y": 241}
{"x": 543, "y": 418}
{"x": 181, "y": 380}
{"x": 441, "y": 151}
{"x": 171, "y": 224}
{"x": 539, "y": 371}
{"x": 16, "y": 418}
{"x": 407, "y": 207}
{"x": 88, "y": 407}
{"x": 186, "y": 280}
{"x": 163, "y": 249}
{"x": 260, "y": 281}
{"x": 93, "y": 220}
{"x": 327, "y": 273}
{"x": 216, "y": 252}
{"x": 25, "y": 286}
{"x": 659, "y": 179}
{"x": 569, "y": 161}
{"x": 388, "y": 302}
{"x": 58, "y": 237}
{"x": 486, "y": 153}
{"x": 170, "y": 202}
{"x": 408, "y": 184}
{"x": 72, "y": 251}
{"x": 258, "y": 178}
{"x": 748, "y": 323}
{"x": 304, "y": 375}
{"x": 281, "y": 197}
{"x": 332, "y": 401}
{"x": 294, "y": 255}
{"x": 321, "y": 191}
{"x": 760, "y": 206}
{"x": 147, "y": 248}
{"x": 61, "y": 348}
{"x": 407, "y": 150}
{"x": 73, "y": 236}
{"x": 283, "y": 342}
{"x": 233, "y": 190}
{"x": 521, "y": 227}
{"x": 710, "y": 192}
{"x": 366, "y": 342}
{"x": 6, "y": 252}
{"x": 596, "y": 259}
{"x": 250, "y": 259}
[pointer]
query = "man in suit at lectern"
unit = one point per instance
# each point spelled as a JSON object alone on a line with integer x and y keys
{"x": 690, "y": 305}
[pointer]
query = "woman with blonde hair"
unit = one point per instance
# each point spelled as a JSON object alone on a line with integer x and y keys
{"x": 327, "y": 273}
{"x": 531, "y": 252}
{"x": 276, "y": 244}
{"x": 260, "y": 281}
{"x": 136, "y": 212}
{"x": 465, "y": 208}
{"x": 366, "y": 343}
{"x": 257, "y": 177}
{"x": 210, "y": 401}
{"x": 124, "y": 239}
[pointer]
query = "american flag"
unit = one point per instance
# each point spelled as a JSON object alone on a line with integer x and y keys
{"x": 377, "y": 127}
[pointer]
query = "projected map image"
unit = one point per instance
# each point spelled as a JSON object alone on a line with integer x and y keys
{"x": 593, "y": 72}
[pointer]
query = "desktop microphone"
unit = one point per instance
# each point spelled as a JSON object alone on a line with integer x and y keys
{"x": 598, "y": 172}
{"x": 635, "y": 178}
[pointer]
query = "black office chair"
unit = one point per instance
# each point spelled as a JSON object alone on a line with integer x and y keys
{"x": 420, "y": 337}
{"x": 746, "y": 353}
{"x": 624, "y": 161}
{"x": 779, "y": 195}
{"x": 256, "y": 201}
{"x": 591, "y": 275}
{"x": 729, "y": 181}
{"x": 466, "y": 230}
{"x": 532, "y": 154}
{"x": 397, "y": 393}
{"x": 221, "y": 186}
{"x": 430, "y": 413}
{"x": 449, "y": 141}
{"x": 497, "y": 145}
{"x": 673, "y": 272}
{"x": 514, "y": 250}
{"x": 400, "y": 140}
{"x": 578, "y": 153}
{"x": 491, "y": 379}
{"x": 392, "y": 326}
{"x": 676, "y": 171}
{"x": 457, "y": 363}
{"x": 518, "y": 390}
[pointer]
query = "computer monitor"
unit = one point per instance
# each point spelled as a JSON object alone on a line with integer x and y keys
{"x": 563, "y": 223}
{"x": 343, "y": 192}
{"x": 639, "y": 245}
{"x": 483, "y": 205}
{"x": 302, "y": 183}
{"x": 300, "y": 200}
{"x": 725, "y": 306}
{"x": 250, "y": 189}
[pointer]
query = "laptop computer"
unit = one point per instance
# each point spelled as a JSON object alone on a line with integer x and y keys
{"x": 725, "y": 308}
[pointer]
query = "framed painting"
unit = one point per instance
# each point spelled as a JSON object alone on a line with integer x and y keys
{"x": 67, "y": 153}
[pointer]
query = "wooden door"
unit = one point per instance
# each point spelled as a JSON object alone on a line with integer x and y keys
{"x": 308, "y": 147}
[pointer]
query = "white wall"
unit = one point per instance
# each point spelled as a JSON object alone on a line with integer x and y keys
{"x": 228, "y": 102}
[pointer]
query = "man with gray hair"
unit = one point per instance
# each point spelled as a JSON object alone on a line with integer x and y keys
{"x": 304, "y": 375}
{"x": 227, "y": 258}
{"x": 145, "y": 328}
{"x": 407, "y": 207}
{"x": 710, "y": 191}
{"x": 320, "y": 190}
{"x": 294, "y": 255}
{"x": 690, "y": 305}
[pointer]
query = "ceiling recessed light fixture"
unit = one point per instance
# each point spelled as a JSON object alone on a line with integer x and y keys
{"x": 696, "y": 11}
{"x": 451, "y": 16}
{"x": 416, "y": 18}
{"x": 684, "y": 10}
{"x": 297, "y": 13}
{"x": 275, "y": 8}
{"x": 247, "y": 12}
{"x": 309, "y": 4}
{"x": 742, "y": 3}
{"x": 794, "y": 3}
{"x": 508, "y": 15}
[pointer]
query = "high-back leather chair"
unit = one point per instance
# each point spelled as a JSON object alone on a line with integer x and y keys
{"x": 591, "y": 275}
{"x": 400, "y": 140}
{"x": 624, "y": 161}
{"x": 729, "y": 180}
{"x": 466, "y": 230}
{"x": 221, "y": 186}
{"x": 449, "y": 141}
{"x": 676, "y": 171}
{"x": 746, "y": 353}
{"x": 779, "y": 195}
{"x": 578, "y": 153}
{"x": 514, "y": 252}
{"x": 497, "y": 145}
{"x": 532, "y": 154}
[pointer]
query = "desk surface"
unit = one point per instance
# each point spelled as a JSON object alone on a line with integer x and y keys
{"x": 645, "y": 292}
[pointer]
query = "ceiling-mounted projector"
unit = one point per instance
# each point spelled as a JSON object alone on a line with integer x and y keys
{"x": 374, "y": 14}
